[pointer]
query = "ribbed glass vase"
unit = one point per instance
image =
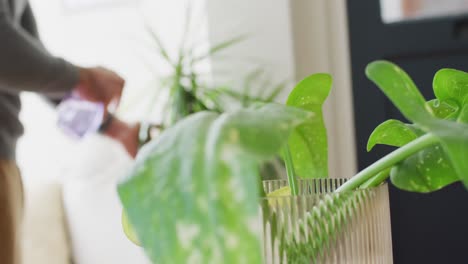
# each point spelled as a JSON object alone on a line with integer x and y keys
{"x": 320, "y": 226}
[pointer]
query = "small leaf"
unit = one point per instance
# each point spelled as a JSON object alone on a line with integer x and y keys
{"x": 393, "y": 133}
{"x": 427, "y": 171}
{"x": 450, "y": 84}
{"x": 308, "y": 142}
{"x": 446, "y": 109}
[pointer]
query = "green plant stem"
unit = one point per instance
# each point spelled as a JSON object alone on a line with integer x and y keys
{"x": 290, "y": 170}
{"x": 377, "y": 179}
{"x": 388, "y": 161}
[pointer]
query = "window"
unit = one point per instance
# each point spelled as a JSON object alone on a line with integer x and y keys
{"x": 400, "y": 10}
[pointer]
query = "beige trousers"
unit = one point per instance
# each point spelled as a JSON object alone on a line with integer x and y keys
{"x": 11, "y": 210}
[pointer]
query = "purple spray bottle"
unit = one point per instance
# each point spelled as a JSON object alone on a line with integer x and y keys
{"x": 78, "y": 117}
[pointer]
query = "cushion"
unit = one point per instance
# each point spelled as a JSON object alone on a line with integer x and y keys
{"x": 92, "y": 206}
{"x": 45, "y": 239}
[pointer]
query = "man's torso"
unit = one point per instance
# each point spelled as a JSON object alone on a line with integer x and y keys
{"x": 10, "y": 126}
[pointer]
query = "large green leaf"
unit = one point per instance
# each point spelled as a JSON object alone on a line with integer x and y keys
{"x": 308, "y": 143}
{"x": 192, "y": 196}
{"x": 428, "y": 170}
{"x": 400, "y": 89}
{"x": 453, "y": 137}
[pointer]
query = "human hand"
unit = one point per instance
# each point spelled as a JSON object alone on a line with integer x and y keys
{"x": 99, "y": 84}
{"x": 124, "y": 133}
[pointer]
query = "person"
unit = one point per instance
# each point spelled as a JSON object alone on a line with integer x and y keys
{"x": 25, "y": 65}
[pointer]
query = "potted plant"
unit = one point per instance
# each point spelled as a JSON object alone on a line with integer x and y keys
{"x": 90, "y": 198}
{"x": 193, "y": 194}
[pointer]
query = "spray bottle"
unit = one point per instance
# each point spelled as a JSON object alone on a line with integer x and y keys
{"x": 78, "y": 117}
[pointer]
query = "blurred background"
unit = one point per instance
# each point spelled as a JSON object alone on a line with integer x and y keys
{"x": 268, "y": 45}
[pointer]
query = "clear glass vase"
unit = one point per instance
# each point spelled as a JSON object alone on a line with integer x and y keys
{"x": 320, "y": 226}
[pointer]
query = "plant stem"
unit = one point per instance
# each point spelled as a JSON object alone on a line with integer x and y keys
{"x": 290, "y": 170}
{"x": 388, "y": 161}
{"x": 377, "y": 179}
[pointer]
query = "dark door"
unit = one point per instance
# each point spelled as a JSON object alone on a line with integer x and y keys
{"x": 426, "y": 228}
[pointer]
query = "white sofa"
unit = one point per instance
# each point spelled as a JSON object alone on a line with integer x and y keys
{"x": 79, "y": 220}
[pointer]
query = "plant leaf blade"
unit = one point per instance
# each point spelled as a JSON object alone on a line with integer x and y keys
{"x": 426, "y": 171}
{"x": 399, "y": 88}
{"x": 421, "y": 172}
{"x": 453, "y": 137}
{"x": 391, "y": 132}
{"x": 451, "y": 84}
{"x": 308, "y": 142}
{"x": 202, "y": 176}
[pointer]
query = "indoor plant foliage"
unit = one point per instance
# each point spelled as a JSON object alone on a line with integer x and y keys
{"x": 190, "y": 91}
{"x": 207, "y": 168}
{"x": 212, "y": 200}
{"x": 193, "y": 194}
{"x": 433, "y": 150}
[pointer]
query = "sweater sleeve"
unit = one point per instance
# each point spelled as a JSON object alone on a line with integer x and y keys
{"x": 26, "y": 66}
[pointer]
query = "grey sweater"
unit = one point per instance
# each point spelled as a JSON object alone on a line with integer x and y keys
{"x": 25, "y": 65}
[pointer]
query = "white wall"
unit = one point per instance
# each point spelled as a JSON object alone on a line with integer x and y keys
{"x": 268, "y": 44}
{"x": 293, "y": 39}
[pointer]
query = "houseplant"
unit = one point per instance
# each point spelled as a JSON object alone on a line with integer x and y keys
{"x": 192, "y": 196}
{"x": 189, "y": 91}
{"x": 186, "y": 83}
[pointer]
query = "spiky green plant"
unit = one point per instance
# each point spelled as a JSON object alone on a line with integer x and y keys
{"x": 189, "y": 92}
